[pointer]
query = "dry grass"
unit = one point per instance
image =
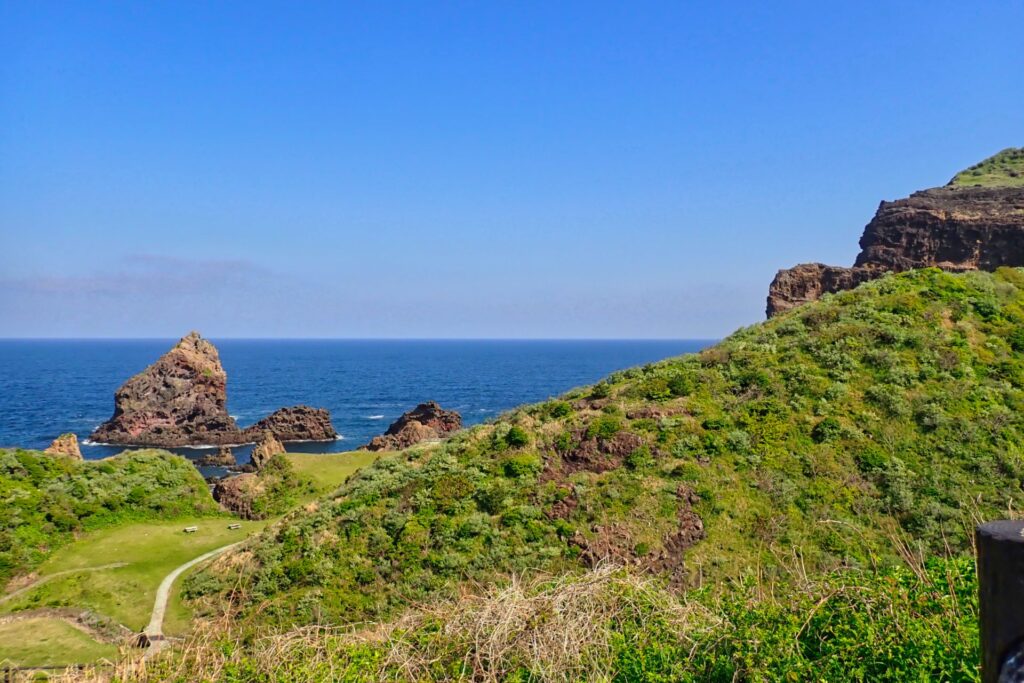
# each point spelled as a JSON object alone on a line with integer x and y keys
{"x": 556, "y": 629}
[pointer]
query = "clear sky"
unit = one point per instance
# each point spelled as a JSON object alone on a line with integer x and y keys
{"x": 475, "y": 169}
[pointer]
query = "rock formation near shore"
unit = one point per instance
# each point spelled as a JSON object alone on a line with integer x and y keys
{"x": 267, "y": 447}
{"x": 424, "y": 422}
{"x": 181, "y": 400}
{"x": 223, "y": 458}
{"x": 237, "y": 494}
{"x": 66, "y": 445}
{"x": 976, "y": 222}
{"x": 297, "y": 423}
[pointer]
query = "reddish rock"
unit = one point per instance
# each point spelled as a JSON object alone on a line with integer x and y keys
{"x": 180, "y": 400}
{"x": 297, "y": 423}
{"x": 267, "y": 447}
{"x": 237, "y": 494}
{"x": 424, "y": 422}
{"x": 223, "y": 458}
{"x": 65, "y": 445}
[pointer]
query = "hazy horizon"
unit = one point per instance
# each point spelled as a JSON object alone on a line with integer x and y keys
{"x": 571, "y": 171}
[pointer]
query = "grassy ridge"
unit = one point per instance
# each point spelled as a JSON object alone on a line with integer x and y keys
{"x": 889, "y": 411}
{"x": 1005, "y": 169}
{"x": 47, "y": 500}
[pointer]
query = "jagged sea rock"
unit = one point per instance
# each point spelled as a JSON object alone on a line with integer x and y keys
{"x": 267, "y": 447}
{"x": 296, "y": 423}
{"x": 65, "y": 445}
{"x": 180, "y": 400}
{"x": 223, "y": 458}
{"x": 957, "y": 227}
{"x": 424, "y": 422}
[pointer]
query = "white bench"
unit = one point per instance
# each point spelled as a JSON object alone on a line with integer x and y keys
{"x": 191, "y": 529}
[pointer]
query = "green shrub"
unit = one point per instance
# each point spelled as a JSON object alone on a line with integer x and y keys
{"x": 516, "y": 437}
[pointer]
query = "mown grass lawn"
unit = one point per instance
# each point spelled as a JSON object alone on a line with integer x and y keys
{"x": 42, "y": 641}
{"x": 150, "y": 551}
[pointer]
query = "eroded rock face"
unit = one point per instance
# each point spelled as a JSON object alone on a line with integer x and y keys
{"x": 267, "y": 447}
{"x": 297, "y": 423}
{"x": 65, "y": 445}
{"x": 236, "y": 494}
{"x": 424, "y": 422}
{"x": 955, "y": 228}
{"x": 180, "y": 400}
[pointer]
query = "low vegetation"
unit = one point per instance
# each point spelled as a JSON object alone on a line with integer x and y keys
{"x": 916, "y": 622}
{"x": 890, "y": 411}
{"x": 47, "y": 500}
{"x": 1005, "y": 169}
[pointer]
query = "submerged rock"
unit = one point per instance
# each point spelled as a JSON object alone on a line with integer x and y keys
{"x": 267, "y": 447}
{"x": 180, "y": 400}
{"x": 957, "y": 227}
{"x": 66, "y": 445}
{"x": 424, "y": 422}
{"x": 297, "y": 423}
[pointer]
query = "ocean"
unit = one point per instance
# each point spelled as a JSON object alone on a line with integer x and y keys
{"x": 48, "y": 387}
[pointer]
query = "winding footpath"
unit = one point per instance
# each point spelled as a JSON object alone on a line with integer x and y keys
{"x": 155, "y": 630}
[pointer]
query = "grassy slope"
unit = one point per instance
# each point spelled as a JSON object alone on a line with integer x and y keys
{"x": 1005, "y": 169}
{"x": 42, "y": 641}
{"x": 888, "y": 412}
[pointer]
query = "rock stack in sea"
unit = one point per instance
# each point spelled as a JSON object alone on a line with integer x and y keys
{"x": 961, "y": 226}
{"x": 424, "y": 422}
{"x": 181, "y": 400}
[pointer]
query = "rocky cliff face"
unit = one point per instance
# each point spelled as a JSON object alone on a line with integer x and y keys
{"x": 267, "y": 447}
{"x": 180, "y": 400}
{"x": 297, "y": 423}
{"x": 957, "y": 227}
{"x": 425, "y": 421}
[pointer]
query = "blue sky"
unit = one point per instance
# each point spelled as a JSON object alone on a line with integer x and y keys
{"x": 468, "y": 169}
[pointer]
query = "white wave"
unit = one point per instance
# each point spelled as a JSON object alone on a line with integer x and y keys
{"x": 374, "y": 417}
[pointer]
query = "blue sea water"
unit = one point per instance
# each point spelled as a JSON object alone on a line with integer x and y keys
{"x": 48, "y": 387}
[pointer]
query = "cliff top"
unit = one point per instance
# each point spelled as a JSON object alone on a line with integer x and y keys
{"x": 1005, "y": 169}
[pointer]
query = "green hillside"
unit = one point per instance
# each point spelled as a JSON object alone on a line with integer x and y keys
{"x": 48, "y": 499}
{"x": 856, "y": 432}
{"x": 1005, "y": 169}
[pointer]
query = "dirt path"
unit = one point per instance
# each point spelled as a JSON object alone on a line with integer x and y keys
{"x": 155, "y": 629}
{"x": 56, "y": 575}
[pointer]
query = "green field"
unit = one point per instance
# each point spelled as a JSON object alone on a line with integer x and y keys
{"x": 42, "y": 641}
{"x": 1005, "y": 169}
{"x": 330, "y": 471}
{"x": 150, "y": 551}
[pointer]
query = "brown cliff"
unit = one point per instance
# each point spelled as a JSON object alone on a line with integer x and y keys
{"x": 957, "y": 227}
{"x": 66, "y": 445}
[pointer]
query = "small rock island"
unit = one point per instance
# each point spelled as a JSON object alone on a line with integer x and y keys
{"x": 181, "y": 400}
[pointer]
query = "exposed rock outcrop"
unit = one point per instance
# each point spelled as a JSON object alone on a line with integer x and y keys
{"x": 424, "y": 422}
{"x": 223, "y": 458}
{"x": 180, "y": 400}
{"x": 267, "y": 447}
{"x": 297, "y": 423}
{"x": 237, "y": 494}
{"x": 65, "y": 445}
{"x": 957, "y": 227}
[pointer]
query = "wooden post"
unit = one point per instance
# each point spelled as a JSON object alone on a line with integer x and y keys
{"x": 1001, "y": 598}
